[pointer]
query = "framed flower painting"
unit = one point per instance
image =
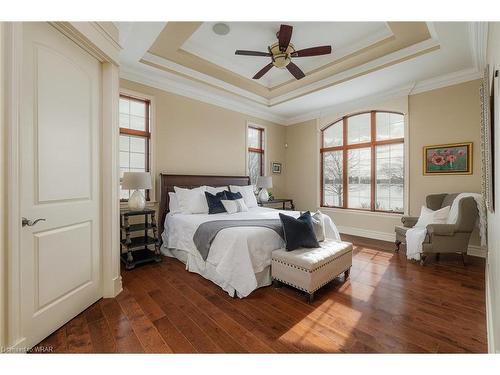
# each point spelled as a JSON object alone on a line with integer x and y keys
{"x": 453, "y": 158}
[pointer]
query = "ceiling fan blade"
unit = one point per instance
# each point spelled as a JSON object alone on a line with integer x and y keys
{"x": 263, "y": 71}
{"x": 251, "y": 53}
{"x": 284, "y": 37}
{"x": 295, "y": 70}
{"x": 313, "y": 51}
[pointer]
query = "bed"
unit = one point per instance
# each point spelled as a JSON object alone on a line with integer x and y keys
{"x": 239, "y": 259}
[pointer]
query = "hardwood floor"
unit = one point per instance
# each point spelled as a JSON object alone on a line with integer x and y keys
{"x": 388, "y": 305}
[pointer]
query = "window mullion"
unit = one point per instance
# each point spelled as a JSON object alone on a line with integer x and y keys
{"x": 372, "y": 162}
{"x": 344, "y": 163}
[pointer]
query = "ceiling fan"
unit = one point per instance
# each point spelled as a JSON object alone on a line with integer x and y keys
{"x": 282, "y": 51}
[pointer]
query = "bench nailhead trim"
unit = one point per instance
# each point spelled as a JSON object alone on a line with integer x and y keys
{"x": 310, "y": 291}
{"x": 315, "y": 269}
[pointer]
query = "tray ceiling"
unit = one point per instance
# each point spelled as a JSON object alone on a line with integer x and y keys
{"x": 368, "y": 57}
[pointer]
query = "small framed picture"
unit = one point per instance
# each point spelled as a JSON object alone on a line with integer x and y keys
{"x": 452, "y": 159}
{"x": 276, "y": 167}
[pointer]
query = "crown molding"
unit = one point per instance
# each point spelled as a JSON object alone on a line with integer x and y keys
{"x": 204, "y": 52}
{"x": 352, "y": 105}
{"x": 414, "y": 50}
{"x": 150, "y": 77}
{"x": 478, "y": 40}
{"x": 192, "y": 74}
{"x": 181, "y": 86}
{"x": 445, "y": 80}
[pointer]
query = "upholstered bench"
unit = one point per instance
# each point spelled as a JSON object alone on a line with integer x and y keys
{"x": 310, "y": 269}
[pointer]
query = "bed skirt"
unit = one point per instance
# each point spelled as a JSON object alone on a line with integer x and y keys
{"x": 209, "y": 272}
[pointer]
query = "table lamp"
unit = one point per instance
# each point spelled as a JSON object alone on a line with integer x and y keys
{"x": 264, "y": 182}
{"x": 135, "y": 181}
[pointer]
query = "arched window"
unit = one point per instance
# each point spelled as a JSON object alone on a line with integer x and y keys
{"x": 362, "y": 162}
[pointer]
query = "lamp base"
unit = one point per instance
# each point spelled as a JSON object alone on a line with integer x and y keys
{"x": 136, "y": 202}
{"x": 263, "y": 195}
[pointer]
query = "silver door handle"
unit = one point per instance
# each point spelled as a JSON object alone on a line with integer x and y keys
{"x": 30, "y": 223}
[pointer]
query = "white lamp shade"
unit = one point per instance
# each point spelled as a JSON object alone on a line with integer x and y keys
{"x": 136, "y": 180}
{"x": 265, "y": 182}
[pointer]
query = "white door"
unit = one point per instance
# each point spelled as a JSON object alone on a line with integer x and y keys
{"x": 60, "y": 181}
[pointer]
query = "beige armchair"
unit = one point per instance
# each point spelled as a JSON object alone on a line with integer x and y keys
{"x": 443, "y": 238}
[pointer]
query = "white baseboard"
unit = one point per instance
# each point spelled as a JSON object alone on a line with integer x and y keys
{"x": 476, "y": 251}
{"x": 473, "y": 250}
{"x": 362, "y": 232}
{"x": 490, "y": 328}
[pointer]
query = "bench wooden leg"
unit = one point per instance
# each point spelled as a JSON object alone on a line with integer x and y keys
{"x": 398, "y": 244}
{"x": 310, "y": 297}
{"x": 346, "y": 273}
{"x": 277, "y": 283}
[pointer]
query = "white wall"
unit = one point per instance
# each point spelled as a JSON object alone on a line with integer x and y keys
{"x": 493, "y": 258}
{"x": 2, "y": 197}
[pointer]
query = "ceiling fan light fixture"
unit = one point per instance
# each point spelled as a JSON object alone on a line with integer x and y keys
{"x": 221, "y": 28}
{"x": 281, "y": 59}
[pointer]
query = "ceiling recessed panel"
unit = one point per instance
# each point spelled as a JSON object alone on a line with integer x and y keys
{"x": 344, "y": 37}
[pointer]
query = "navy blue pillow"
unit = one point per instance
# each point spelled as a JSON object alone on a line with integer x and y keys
{"x": 298, "y": 232}
{"x": 215, "y": 205}
{"x": 232, "y": 196}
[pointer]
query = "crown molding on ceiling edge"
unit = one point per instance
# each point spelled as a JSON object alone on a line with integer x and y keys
{"x": 478, "y": 39}
{"x": 153, "y": 79}
{"x": 212, "y": 96}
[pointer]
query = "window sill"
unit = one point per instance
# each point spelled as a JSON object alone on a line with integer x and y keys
{"x": 362, "y": 212}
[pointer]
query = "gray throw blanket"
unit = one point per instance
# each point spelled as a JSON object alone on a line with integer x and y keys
{"x": 206, "y": 232}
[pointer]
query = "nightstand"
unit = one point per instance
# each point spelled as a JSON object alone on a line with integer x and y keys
{"x": 282, "y": 201}
{"x": 138, "y": 249}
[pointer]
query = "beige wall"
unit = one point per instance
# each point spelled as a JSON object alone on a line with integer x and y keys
{"x": 444, "y": 115}
{"x": 493, "y": 259}
{"x": 303, "y": 174}
{"x": 193, "y": 137}
{"x": 3, "y": 213}
{"x": 447, "y": 115}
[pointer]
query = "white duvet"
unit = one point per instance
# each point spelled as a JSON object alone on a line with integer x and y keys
{"x": 236, "y": 254}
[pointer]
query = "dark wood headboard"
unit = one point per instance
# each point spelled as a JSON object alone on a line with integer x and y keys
{"x": 168, "y": 181}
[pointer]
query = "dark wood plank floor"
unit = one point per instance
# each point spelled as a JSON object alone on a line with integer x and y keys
{"x": 388, "y": 305}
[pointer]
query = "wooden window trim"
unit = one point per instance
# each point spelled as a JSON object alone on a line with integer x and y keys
{"x": 260, "y": 150}
{"x": 345, "y": 148}
{"x": 141, "y": 133}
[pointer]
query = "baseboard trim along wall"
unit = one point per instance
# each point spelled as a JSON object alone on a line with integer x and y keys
{"x": 473, "y": 250}
{"x": 490, "y": 328}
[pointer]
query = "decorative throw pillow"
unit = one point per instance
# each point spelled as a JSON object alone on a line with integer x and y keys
{"x": 298, "y": 232}
{"x": 428, "y": 216}
{"x": 214, "y": 202}
{"x": 318, "y": 226}
{"x": 192, "y": 201}
{"x": 215, "y": 190}
{"x": 235, "y": 205}
{"x": 247, "y": 193}
{"x": 173, "y": 204}
{"x": 232, "y": 196}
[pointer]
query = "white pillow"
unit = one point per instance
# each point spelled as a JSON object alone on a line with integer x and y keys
{"x": 428, "y": 216}
{"x": 233, "y": 206}
{"x": 318, "y": 226}
{"x": 247, "y": 192}
{"x": 173, "y": 204}
{"x": 192, "y": 201}
{"x": 215, "y": 190}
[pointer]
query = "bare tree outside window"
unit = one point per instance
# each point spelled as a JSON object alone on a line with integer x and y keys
{"x": 373, "y": 171}
{"x": 255, "y": 141}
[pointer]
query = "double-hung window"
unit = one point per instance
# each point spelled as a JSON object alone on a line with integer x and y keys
{"x": 255, "y": 142}
{"x": 362, "y": 162}
{"x": 135, "y": 137}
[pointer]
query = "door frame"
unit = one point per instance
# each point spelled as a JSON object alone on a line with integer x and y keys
{"x": 94, "y": 38}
